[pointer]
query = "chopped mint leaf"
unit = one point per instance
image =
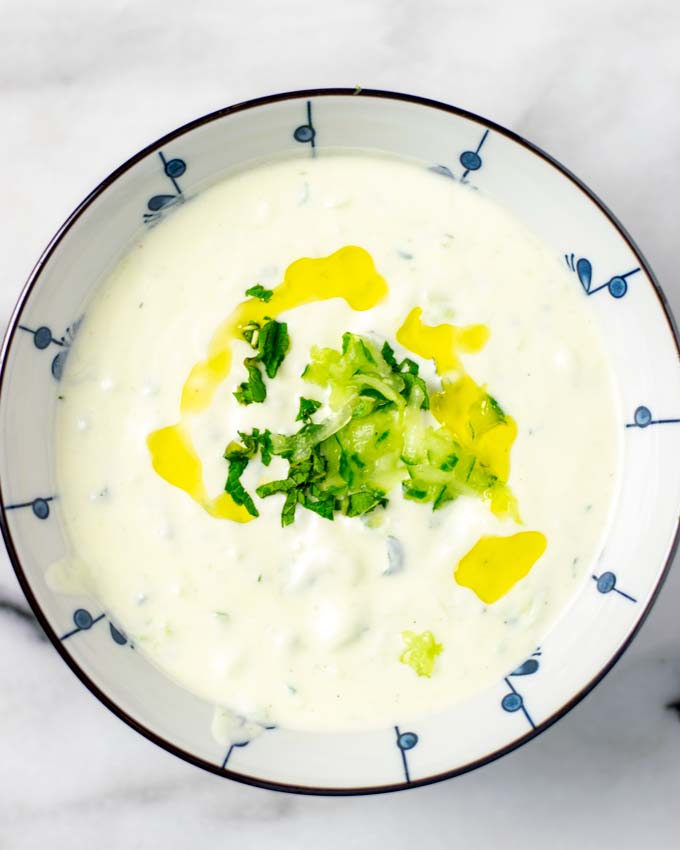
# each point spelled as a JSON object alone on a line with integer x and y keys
{"x": 410, "y": 366}
{"x": 250, "y": 445}
{"x": 234, "y": 487}
{"x": 303, "y": 476}
{"x": 388, "y": 356}
{"x": 324, "y": 506}
{"x": 264, "y": 440}
{"x": 288, "y": 512}
{"x": 238, "y": 455}
{"x": 283, "y": 485}
{"x": 273, "y": 344}
{"x": 308, "y": 407}
{"x": 258, "y": 291}
{"x": 253, "y": 390}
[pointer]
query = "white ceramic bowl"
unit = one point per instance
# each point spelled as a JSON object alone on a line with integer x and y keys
{"x": 624, "y": 298}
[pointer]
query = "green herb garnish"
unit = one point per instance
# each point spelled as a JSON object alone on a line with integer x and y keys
{"x": 300, "y": 487}
{"x": 234, "y": 487}
{"x": 238, "y": 455}
{"x": 250, "y": 445}
{"x": 379, "y": 435}
{"x": 308, "y": 407}
{"x": 253, "y": 390}
{"x": 271, "y": 342}
{"x": 259, "y": 291}
{"x": 272, "y": 345}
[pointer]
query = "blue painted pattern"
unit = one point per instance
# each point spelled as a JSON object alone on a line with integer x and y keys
{"x": 158, "y": 204}
{"x": 470, "y": 160}
{"x": 43, "y": 338}
{"x": 232, "y": 747}
{"x": 513, "y": 700}
{"x": 616, "y": 285}
{"x": 606, "y": 582}
{"x": 39, "y": 506}
{"x": 306, "y": 133}
{"x": 642, "y": 418}
{"x": 83, "y": 622}
{"x": 405, "y": 741}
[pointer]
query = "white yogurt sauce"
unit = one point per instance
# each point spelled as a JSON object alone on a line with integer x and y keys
{"x": 302, "y": 626}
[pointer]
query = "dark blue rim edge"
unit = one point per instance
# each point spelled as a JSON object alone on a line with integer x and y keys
{"x": 4, "y": 526}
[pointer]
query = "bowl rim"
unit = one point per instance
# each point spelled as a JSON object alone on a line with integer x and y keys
{"x": 11, "y": 329}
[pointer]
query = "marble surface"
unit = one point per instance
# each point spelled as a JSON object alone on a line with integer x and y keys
{"x": 83, "y": 85}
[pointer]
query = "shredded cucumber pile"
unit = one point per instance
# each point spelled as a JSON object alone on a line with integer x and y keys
{"x": 380, "y": 433}
{"x": 421, "y": 651}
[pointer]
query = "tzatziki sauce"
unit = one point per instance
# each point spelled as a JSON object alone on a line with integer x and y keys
{"x": 306, "y": 625}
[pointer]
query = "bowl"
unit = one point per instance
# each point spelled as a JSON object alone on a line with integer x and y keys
{"x": 625, "y": 301}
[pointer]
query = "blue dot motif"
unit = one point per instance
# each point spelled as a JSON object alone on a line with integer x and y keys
{"x": 643, "y": 416}
{"x": 175, "y": 168}
{"x": 471, "y": 161}
{"x": 407, "y": 740}
{"x": 303, "y": 133}
{"x": 42, "y": 337}
{"x": 617, "y": 287}
{"x": 606, "y": 582}
{"x": 41, "y": 508}
{"x": 82, "y": 619}
{"x": 512, "y": 702}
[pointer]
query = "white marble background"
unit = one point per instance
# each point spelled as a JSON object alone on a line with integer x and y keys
{"x": 83, "y": 85}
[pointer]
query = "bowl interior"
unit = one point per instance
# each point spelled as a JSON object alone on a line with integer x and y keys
{"x": 623, "y": 298}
